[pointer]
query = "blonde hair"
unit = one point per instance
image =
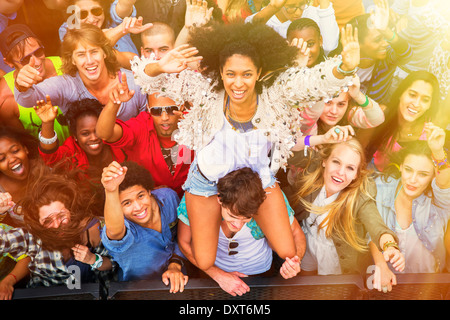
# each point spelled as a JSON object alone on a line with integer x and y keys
{"x": 340, "y": 221}
{"x": 234, "y": 8}
{"x": 87, "y": 34}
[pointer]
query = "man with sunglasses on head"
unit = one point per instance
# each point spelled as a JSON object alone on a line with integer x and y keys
{"x": 242, "y": 248}
{"x": 18, "y": 45}
{"x": 147, "y": 138}
{"x": 279, "y": 14}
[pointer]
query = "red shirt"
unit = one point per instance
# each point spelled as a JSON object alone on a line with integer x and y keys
{"x": 77, "y": 157}
{"x": 141, "y": 144}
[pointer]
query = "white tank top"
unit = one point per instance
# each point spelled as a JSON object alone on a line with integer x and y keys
{"x": 253, "y": 257}
{"x": 231, "y": 150}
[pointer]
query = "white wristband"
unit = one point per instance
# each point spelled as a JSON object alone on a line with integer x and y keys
{"x": 48, "y": 141}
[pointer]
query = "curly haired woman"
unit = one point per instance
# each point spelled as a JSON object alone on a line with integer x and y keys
{"x": 241, "y": 115}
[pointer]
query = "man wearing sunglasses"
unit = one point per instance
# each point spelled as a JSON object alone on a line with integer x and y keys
{"x": 91, "y": 70}
{"x": 279, "y": 14}
{"x": 19, "y": 45}
{"x": 242, "y": 248}
{"x": 147, "y": 138}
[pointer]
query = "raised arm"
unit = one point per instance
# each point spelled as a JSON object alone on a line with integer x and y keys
{"x": 436, "y": 141}
{"x": 197, "y": 15}
{"x": 267, "y": 12}
{"x": 368, "y": 113}
{"x": 106, "y": 128}
{"x": 112, "y": 177}
{"x": 48, "y": 139}
{"x": 124, "y": 8}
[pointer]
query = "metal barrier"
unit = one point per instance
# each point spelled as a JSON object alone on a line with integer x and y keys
{"x": 340, "y": 287}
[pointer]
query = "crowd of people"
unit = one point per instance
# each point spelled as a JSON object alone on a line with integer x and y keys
{"x": 223, "y": 139}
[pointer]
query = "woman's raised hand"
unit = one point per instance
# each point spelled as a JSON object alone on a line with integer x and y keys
{"x": 435, "y": 137}
{"x": 350, "y": 53}
{"x": 45, "y": 110}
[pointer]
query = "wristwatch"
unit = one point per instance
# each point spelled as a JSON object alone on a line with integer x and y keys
{"x": 98, "y": 262}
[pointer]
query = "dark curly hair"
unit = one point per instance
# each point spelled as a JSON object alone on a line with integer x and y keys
{"x": 263, "y": 45}
{"x": 79, "y": 108}
{"x": 241, "y": 192}
{"x": 136, "y": 176}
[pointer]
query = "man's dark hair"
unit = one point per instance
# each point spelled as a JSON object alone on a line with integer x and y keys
{"x": 241, "y": 192}
{"x": 136, "y": 176}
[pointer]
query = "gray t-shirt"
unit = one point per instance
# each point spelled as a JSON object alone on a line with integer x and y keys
{"x": 65, "y": 89}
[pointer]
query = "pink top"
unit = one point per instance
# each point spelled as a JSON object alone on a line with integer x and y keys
{"x": 381, "y": 160}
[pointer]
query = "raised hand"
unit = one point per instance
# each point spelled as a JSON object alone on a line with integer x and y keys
{"x": 176, "y": 60}
{"x": 121, "y": 93}
{"x": 113, "y": 176}
{"x": 355, "y": 89}
{"x": 379, "y": 18}
{"x": 350, "y": 53}
{"x": 28, "y": 75}
{"x": 45, "y": 110}
{"x": 303, "y": 52}
{"x": 134, "y": 25}
{"x": 435, "y": 138}
{"x": 197, "y": 13}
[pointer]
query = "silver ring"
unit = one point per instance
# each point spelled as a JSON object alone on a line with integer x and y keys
{"x": 337, "y": 130}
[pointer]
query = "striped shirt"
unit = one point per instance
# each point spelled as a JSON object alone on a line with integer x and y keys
{"x": 379, "y": 86}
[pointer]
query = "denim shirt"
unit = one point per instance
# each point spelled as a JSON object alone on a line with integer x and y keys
{"x": 429, "y": 220}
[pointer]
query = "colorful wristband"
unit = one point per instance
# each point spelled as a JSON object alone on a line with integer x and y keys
{"x": 366, "y": 103}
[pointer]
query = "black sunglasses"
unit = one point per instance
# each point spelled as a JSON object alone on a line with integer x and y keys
{"x": 157, "y": 111}
{"x": 232, "y": 245}
{"x": 97, "y": 11}
{"x": 39, "y": 52}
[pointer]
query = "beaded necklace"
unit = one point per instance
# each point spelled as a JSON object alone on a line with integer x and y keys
{"x": 240, "y": 126}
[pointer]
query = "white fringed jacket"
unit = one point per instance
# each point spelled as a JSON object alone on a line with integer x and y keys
{"x": 277, "y": 114}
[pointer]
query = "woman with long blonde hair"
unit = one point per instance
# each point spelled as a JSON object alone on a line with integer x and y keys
{"x": 336, "y": 208}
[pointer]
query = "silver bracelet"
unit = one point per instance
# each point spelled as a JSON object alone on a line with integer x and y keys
{"x": 48, "y": 141}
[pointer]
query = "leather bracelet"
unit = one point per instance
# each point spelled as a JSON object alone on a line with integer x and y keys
{"x": 177, "y": 261}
